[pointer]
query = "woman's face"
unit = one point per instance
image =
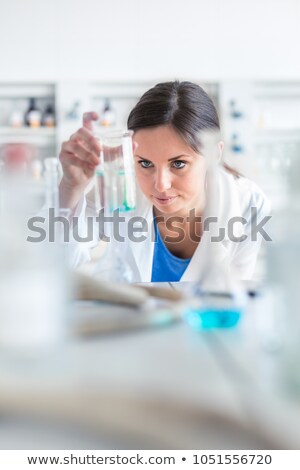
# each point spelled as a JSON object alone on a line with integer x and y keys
{"x": 169, "y": 172}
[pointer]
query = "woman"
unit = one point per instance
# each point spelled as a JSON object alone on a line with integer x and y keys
{"x": 171, "y": 173}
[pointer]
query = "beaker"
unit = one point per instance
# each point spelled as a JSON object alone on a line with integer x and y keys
{"x": 115, "y": 190}
{"x": 214, "y": 309}
{"x": 115, "y": 186}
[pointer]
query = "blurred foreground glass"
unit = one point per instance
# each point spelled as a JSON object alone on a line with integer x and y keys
{"x": 115, "y": 175}
{"x": 283, "y": 267}
{"x": 217, "y": 300}
{"x": 33, "y": 280}
{"x": 274, "y": 161}
{"x": 115, "y": 190}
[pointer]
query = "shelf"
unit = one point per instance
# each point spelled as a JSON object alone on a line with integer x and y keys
{"x": 118, "y": 90}
{"x": 273, "y": 135}
{"x": 135, "y": 90}
{"x": 281, "y": 130}
{"x": 42, "y": 136}
{"x": 276, "y": 90}
{"x": 20, "y": 90}
{"x": 28, "y": 131}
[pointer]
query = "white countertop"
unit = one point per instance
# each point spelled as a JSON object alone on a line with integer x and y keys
{"x": 168, "y": 387}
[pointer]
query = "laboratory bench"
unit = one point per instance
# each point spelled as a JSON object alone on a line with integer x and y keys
{"x": 156, "y": 386}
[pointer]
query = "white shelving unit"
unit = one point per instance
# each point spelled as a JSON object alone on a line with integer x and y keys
{"x": 276, "y": 109}
{"x": 268, "y": 130}
{"x": 41, "y": 141}
{"x": 276, "y": 133}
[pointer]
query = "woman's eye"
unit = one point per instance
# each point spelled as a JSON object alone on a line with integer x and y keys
{"x": 145, "y": 164}
{"x": 179, "y": 164}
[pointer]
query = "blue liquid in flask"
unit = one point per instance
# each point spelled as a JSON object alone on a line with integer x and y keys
{"x": 213, "y": 315}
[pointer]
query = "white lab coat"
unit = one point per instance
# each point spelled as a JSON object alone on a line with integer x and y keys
{"x": 235, "y": 199}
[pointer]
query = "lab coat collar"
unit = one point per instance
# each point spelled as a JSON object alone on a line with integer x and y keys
{"x": 229, "y": 207}
{"x": 229, "y": 204}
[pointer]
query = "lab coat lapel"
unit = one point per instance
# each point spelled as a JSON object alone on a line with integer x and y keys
{"x": 197, "y": 265}
{"x": 228, "y": 207}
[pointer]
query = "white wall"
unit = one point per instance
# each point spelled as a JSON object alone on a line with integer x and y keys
{"x": 146, "y": 40}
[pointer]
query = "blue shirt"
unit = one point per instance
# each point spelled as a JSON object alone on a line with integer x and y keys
{"x": 166, "y": 267}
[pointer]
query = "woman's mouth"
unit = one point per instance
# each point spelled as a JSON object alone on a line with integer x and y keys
{"x": 164, "y": 200}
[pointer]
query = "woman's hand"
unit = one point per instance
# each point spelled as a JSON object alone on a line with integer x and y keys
{"x": 79, "y": 157}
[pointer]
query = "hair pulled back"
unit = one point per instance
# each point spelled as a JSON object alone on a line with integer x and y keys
{"x": 183, "y": 105}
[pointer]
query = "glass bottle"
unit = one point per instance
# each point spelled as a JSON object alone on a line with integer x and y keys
{"x": 49, "y": 117}
{"x": 235, "y": 113}
{"x": 108, "y": 116}
{"x": 74, "y": 113}
{"x": 235, "y": 144}
{"x": 16, "y": 118}
{"x": 33, "y": 114}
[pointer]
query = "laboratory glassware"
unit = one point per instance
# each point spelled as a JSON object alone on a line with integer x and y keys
{"x": 34, "y": 284}
{"x": 216, "y": 300}
{"x": 51, "y": 180}
{"x": 283, "y": 269}
{"x": 115, "y": 175}
{"x": 115, "y": 190}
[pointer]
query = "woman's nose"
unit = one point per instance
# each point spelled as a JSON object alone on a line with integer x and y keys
{"x": 162, "y": 181}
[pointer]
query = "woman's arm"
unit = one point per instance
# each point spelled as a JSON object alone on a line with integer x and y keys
{"x": 79, "y": 157}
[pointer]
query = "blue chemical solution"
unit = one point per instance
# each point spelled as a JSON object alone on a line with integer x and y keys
{"x": 113, "y": 192}
{"x": 213, "y": 318}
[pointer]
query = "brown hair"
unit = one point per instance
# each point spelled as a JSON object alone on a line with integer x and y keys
{"x": 183, "y": 105}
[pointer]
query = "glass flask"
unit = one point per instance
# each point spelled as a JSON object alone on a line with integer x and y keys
{"x": 216, "y": 299}
{"x": 115, "y": 175}
{"x": 283, "y": 261}
{"x": 115, "y": 190}
{"x": 213, "y": 309}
